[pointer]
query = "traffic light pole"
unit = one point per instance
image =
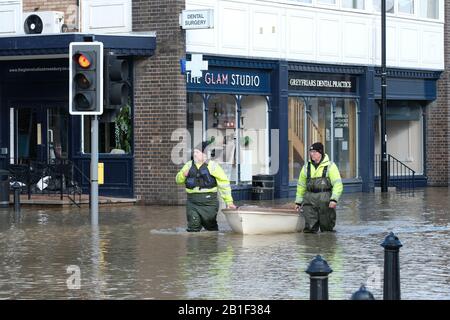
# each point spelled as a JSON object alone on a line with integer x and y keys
{"x": 94, "y": 170}
{"x": 383, "y": 138}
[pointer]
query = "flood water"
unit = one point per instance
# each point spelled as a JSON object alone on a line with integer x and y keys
{"x": 144, "y": 253}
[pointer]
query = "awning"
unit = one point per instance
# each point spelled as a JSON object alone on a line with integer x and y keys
{"x": 18, "y": 47}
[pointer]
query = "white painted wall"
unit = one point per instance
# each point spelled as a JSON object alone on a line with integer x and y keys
{"x": 300, "y": 32}
{"x": 106, "y": 16}
{"x": 10, "y": 17}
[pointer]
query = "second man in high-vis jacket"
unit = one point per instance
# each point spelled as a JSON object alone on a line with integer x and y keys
{"x": 203, "y": 179}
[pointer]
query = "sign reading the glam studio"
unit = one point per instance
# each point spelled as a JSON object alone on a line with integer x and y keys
{"x": 299, "y": 81}
{"x": 231, "y": 80}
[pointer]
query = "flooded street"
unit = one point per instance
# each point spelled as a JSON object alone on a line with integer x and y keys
{"x": 144, "y": 253}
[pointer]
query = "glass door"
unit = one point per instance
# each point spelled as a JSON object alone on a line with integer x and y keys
{"x": 57, "y": 134}
{"x": 31, "y": 134}
{"x": 41, "y": 134}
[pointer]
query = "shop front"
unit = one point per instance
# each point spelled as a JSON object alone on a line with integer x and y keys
{"x": 324, "y": 107}
{"x": 230, "y": 107}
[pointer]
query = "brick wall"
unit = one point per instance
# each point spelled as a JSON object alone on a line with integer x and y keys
{"x": 437, "y": 144}
{"x": 69, "y": 7}
{"x": 160, "y": 102}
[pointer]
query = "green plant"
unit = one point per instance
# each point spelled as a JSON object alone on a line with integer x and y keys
{"x": 246, "y": 141}
{"x": 123, "y": 129}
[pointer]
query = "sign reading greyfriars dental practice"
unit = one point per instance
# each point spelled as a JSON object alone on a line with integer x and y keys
{"x": 299, "y": 81}
{"x": 197, "y": 19}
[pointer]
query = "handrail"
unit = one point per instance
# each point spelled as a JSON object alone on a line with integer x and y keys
{"x": 400, "y": 175}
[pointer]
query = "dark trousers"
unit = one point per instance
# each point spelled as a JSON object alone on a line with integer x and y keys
{"x": 201, "y": 211}
{"x": 317, "y": 213}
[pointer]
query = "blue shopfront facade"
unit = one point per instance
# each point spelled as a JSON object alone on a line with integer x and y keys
{"x": 306, "y": 102}
{"x": 35, "y": 126}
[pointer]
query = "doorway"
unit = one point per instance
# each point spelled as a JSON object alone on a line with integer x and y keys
{"x": 41, "y": 133}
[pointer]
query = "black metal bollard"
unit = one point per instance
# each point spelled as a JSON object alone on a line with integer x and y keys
{"x": 17, "y": 190}
{"x": 318, "y": 271}
{"x": 362, "y": 294}
{"x": 391, "y": 285}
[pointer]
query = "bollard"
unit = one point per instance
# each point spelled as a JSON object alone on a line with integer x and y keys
{"x": 362, "y": 294}
{"x": 318, "y": 271}
{"x": 17, "y": 189}
{"x": 391, "y": 285}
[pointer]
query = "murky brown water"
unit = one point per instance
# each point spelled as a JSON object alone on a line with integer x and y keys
{"x": 144, "y": 253}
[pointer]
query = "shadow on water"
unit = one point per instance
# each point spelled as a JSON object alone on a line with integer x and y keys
{"x": 145, "y": 253}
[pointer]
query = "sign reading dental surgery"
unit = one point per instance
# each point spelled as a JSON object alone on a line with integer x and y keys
{"x": 299, "y": 81}
{"x": 197, "y": 19}
{"x": 230, "y": 80}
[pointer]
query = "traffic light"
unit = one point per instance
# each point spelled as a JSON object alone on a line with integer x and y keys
{"x": 116, "y": 86}
{"x": 86, "y": 78}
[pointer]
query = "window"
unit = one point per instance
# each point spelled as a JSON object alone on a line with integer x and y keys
{"x": 221, "y": 132}
{"x": 195, "y": 118}
{"x": 354, "y": 4}
{"x": 389, "y": 6}
{"x": 345, "y": 137}
{"x": 404, "y": 128}
{"x": 253, "y": 138}
{"x": 115, "y": 136}
{"x": 326, "y": 1}
{"x": 296, "y": 136}
{"x": 406, "y": 6}
{"x": 311, "y": 120}
{"x": 240, "y": 145}
{"x": 429, "y": 9}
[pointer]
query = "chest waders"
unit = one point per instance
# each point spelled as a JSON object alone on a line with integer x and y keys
{"x": 316, "y": 203}
{"x": 201, "y": 207}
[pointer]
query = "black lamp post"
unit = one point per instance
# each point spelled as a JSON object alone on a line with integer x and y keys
{"x": 383, "y": 138}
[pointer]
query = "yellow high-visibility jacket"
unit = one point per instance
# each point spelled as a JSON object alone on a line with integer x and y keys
{"x": 223, "y": 184}
{"x": 332, "y": 173}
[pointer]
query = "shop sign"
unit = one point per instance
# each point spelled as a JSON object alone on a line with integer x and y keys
{"x": 299, "y": 81}
{"x": 197, "y": 19}
{"x": 231, "y": 80}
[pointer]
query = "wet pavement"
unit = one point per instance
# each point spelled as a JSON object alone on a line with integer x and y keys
{"x": 144, "y": 253}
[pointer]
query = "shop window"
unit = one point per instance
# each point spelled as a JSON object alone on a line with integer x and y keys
{"x": 389, "y": 6}
{"x": 429, "y": 9}
{"x": 296, "y": 136}
{"x": 406, "y": 6}
{"x": 221, "y": 132}
{"x": 353, "y": 4}
{"x": 253, "y": 137}
{"x": 345, "y": 137}
{"x": 115, "y": 136}
{"x": 311, "y": 120}
{"x": 318, "y": 123}
{"x": 195, "y": 108}
{"x": 404, "y": 129}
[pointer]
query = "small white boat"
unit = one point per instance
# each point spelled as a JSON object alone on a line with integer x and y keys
{"x": 258, "y": 220}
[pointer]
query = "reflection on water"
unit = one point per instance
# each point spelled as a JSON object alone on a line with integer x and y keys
{"x": 145, "y": 253}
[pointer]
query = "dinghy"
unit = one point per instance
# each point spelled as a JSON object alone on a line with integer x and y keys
{"x": 258, "y": 220}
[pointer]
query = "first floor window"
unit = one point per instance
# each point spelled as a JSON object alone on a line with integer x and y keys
{"x": 429, "y": 9}
{"x": 389, "y": 6}
{"x": 354, "y": 4}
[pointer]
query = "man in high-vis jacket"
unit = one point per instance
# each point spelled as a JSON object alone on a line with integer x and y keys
{"x": 203, "y": 178}
{"x": 319, "y": 188}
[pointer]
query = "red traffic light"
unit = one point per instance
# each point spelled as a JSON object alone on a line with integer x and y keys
{"x": 83, "y": 60}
